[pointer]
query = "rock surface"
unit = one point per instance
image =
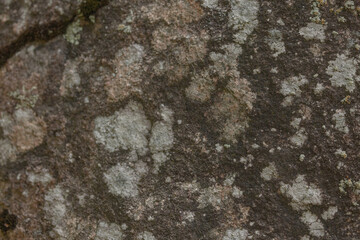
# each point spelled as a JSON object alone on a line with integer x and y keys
{"x": 179, "y": 119}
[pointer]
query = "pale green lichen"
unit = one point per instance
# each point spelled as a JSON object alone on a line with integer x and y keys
{"x": 210, "y": 3}
{"x": 26, "y": 98}
{"x": 339, "y": 118}
{"x": 275, "y": 42}
{"x": 343, "y": 72}
{"x": 329, "y": 213}
{"x": 269, "y": 172}
{"x": 73, "y": 31}
{"x": 43, "y": 176}
{"x": 301, "y": 194}
{"x": 109, "y": 231}
{"x": 122, "y": 180}
{"x": 299, "y": 138}
{"x": 145, "y": 236}
{"x": 313, "y": 31}
{"x": 290, "y": 88}
{"x": 162, "y": 137}
{"x": 350, "y": 186}
{"x": 236, "y": 234}
{"x": 314, "y": 224}
{"x": 126, "y": 129}
{"x": 243, "y": 18}
{"x": 56, "y": 210}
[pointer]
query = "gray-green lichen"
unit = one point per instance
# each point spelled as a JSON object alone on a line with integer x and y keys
{"x": 269, "y": 172}
{"x": 313, "y": 31}
{"x": 236, "y": 234}
{"x": 339, "y": 118}
{"x": 109, "y": 231}
{"x": 126, "y": 129}
{"x": 290, "y": 88}
{"x": 122, "y": 180}
{"x": 343, "y": 72}
{"x": 243, "y": 18}
{"x": 55, "y": 209}
{"x": 329, "y": 213}
{"x": 73, "y": 31}
{"x": 275, "y": 42}
{"x": 299, "y": 138}
{"x": 314, "y": 224}
{"x": 145, "y": 236}
{"x": 26, "y": 98}
{"x": 301, "y": 194}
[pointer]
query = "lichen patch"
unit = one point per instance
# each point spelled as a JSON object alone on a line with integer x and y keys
{"x": 109, "y": 231}
{"x": 314, "y": 224}
{"x": 123, "y": 180}
{"x": 343, "y": 72}
{"x": 313, "y": 31}
{"x": 243, "y": 18}
{"x": 290, "y": 88}
{"x": 126, "y": 129}
{"x": 301, "y": 194}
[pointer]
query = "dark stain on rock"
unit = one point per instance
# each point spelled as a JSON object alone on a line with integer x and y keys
{"x": 7, "y": 221}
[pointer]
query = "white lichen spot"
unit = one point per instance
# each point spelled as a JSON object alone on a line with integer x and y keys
{"x": 73, "y": 31}
{"x": 319, "y": 88}
{"x": 340, "y": 121}
{"x": 188, "y": 216}
{"x": 237, "y": 193}
{"x": 128, "y": 70}
{"x": 290, "y": 88}
{"x": 313, "y": 31}
{"x": 108, "y": 231}
{"x": 55, "y": 208}
{"x": 219, "y": 148}
{"x": 162, "y": 137}
{"x": 7, "y": 152}
{"x": 301, "y": 194}
{"x": 123, "y": 181}
{"x": 270, "y": 172}
{"x": 275, "y": 42}
{"x": 314, "y": 224}
{"x": 70, "y": 78}
{"x": 236, "y": 234}
{"x": 343, "y": 72}
{"x": 210, "y": 3}
{"x": 145, "y": 236}
{"x": 127, "y": 129}
{"x": 329, "y": 213}
{"x": 43, "y": 176}
{"x": 243, "y": 18}
{"x": 341, "y": 153}
{"x": 299, "y": 138}
{"x": 295, "y": 123}
{"x": 305, "y": 237}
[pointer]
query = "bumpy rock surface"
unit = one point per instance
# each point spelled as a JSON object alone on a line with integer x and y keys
{"x": 179, "y": 119}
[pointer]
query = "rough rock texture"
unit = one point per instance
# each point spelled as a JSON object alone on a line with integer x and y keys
{"x": 179, "y": 119}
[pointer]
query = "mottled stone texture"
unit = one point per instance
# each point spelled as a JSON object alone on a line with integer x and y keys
{"x": 179, "y": 119}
